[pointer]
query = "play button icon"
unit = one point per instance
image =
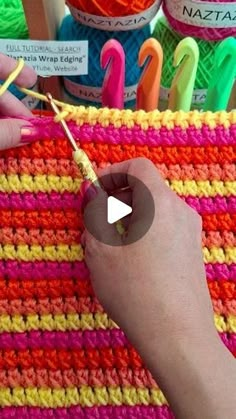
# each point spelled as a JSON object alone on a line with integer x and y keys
{"x": 119, "y": 215}
{"x": 116, "y": 210}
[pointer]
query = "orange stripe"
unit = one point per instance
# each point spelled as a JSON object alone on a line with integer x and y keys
{"x": 65, "y": 167}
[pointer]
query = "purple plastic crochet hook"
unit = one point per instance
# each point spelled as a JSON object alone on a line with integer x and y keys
{"x": 113, "y": 60}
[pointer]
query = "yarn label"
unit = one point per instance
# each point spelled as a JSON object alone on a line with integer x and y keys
{"x": 203, "y": 13}
{"x": 31, "y": 102}
{"x": 123, "y": 23}
{"x": 94, "y": 94}
{"x": 199, "y": 95}
{"x": 50, "y": 58}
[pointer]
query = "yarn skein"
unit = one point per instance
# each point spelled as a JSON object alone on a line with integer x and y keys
{"x": 13, "y": 25}
{"x": 86, "y": 89}
{"x": 114, "y": 8}
{"x": 206, "y": 19}
{"x": 12, "y": 20}
{"x": 169, "y": 40}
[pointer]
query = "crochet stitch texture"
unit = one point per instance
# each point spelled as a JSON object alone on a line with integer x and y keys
{"x": 60, "y": 354}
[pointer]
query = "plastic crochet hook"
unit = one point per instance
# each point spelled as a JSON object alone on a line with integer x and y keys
{"x": 186, "y": 58}
{"x": 149, "y": 84}
{"x": 224, "y": 73}
{"x": 113, "y": 60}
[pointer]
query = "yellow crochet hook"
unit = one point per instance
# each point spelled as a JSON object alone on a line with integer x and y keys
{"x": 79, "y": 156}
{"x": 186, "y": 57}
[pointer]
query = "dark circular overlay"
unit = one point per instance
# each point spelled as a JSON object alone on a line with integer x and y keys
{"x": 133, "y": 227}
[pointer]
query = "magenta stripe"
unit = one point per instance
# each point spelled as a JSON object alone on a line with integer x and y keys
{"x": 43, "y": 270}
{"x": 40, "y": 201}
{"x": 78, "y": 270}
{"x": 64, "y": 340}
{"x": 192, "y": 136}
{"x": 79, "y": 340}
{"x": 67, "y": 200}
{"x": 77, "y": 412}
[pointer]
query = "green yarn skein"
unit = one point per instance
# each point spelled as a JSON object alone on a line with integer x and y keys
{"x": 169, "y": 41}
{"x": 12, "y": 20}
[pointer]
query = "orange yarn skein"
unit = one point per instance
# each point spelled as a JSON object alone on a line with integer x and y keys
{"x": 114, "y": 8}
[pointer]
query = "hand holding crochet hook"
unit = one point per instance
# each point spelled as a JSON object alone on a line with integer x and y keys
{"x": 155, "y": 288}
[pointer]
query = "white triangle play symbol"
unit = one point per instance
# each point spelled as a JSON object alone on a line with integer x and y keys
{"x": 116, "y": 210}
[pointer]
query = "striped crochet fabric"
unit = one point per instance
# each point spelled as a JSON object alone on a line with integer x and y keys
{"x": 60, "y": 355}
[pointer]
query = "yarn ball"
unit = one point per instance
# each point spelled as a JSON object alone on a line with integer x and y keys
{"x": 13, "y": 25}
{"x": 130, "y": 40}
{"x": 206, "y": 32}
{"x": 169, "y": 40}
{"x": 114, "y": 8}
{"x": 12, "y": 20}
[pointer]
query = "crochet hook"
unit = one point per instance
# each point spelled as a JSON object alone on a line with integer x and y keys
{"x": 186, "y": 58}
{"x": 79, "y": 156}
{"x": 223, "y": 77}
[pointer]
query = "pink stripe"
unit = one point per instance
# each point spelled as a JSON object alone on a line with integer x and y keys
{"x": 107, "y": 412}
{"x": 40, "y": 201}
{"x": 65, "y": 201}
{"x": 151, "y": 137}
{"x": 78, "y": 340}
{"x": 43, "y": 270}
{"x": 78, "y": 270}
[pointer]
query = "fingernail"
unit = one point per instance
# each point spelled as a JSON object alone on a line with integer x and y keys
{"x": 29, "y": 134}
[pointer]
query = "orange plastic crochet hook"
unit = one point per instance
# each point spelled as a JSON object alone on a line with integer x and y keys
{"x": 149, "y": 84}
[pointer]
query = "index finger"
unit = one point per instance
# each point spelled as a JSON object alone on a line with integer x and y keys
{"x": 27, "y": 77}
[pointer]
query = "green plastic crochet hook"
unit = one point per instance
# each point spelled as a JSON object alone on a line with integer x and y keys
{"x": 224, "y": 73}
{"x": 186, "y": 57}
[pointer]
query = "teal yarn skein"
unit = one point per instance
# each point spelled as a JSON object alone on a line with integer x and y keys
{"x": 131, "y": 41}
{"x": 169, "y": 40}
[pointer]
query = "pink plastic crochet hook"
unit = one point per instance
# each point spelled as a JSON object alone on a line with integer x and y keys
{"x": 113, "y": 59}
{"x": 149, "y": 84}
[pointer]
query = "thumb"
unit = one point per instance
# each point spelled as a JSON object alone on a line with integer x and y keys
{"x": 13, "y": 133}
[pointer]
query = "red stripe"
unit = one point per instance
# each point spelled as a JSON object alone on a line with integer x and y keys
{"x": 62, "y": 359}
{"x": 72, "y": 219}
{"x": 61, "y": 149}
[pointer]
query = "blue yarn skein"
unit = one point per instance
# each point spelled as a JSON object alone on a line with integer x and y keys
{"x": 131, "y": 41}
{"x": 29, "y": 102}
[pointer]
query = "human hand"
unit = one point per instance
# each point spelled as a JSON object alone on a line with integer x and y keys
{"x": 163, "y": 273}
{"x": 155, "y": 289}
{"x": 13, "y": 131}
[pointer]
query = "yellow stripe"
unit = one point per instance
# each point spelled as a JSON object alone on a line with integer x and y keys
{"x": 39, "y": 183}
{"x": 25, "y": 253}
{"x": 65, "y": 322}
{"x": 225, "y": 324}
{"x": 83, "y": 396}
{"x": 203, "y": 188}
{"x": 57, "y": 322}
{"x": 73, "y": 253}
{"x": 155, "y": 119}
{"x": 49, "y": 183}
{"x": 219, "y": 255}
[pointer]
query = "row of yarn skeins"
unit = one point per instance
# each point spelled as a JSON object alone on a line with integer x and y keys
{"x": 13, "y": 26}
{"x": 209, "y": 22}
{"x": 87, "y": 89}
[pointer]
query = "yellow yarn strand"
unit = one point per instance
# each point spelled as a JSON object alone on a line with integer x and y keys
{"x": 12, "y": 77}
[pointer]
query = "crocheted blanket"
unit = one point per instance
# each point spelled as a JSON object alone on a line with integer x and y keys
{"x": 60, "y": 354}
